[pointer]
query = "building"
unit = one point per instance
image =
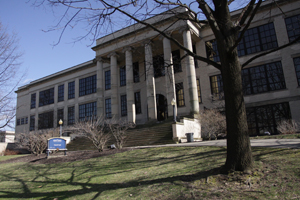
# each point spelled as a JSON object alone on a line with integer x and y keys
{"x": 131, "y": 76}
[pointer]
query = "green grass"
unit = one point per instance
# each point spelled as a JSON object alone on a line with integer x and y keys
{"x": 2, "y": 158}
{"x": 156, "y": 173}
{"x": 290, "y": 136}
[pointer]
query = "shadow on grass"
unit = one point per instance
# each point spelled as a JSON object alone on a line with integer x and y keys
{"x": 127, "y": 163}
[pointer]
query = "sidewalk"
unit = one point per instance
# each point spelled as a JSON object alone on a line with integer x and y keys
{"x": 273, "y": 143}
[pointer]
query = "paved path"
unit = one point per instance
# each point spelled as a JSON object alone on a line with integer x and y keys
{"x": 274, "y": 143}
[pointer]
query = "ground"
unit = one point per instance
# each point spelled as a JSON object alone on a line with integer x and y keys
{"x": 59, "y": 156}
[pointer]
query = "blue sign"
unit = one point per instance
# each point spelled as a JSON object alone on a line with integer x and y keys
{"x": 57, "y": 143}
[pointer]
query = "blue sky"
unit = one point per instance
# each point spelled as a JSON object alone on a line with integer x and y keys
{"x": 40, "y": 57}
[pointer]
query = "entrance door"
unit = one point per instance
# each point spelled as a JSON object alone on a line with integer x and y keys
{"x": 162, "y": 107}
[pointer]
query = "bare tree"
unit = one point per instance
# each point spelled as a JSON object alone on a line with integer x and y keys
{"x": 103, "y": 16}
{"x": 96, "y": 130}
{"x": 213, "y": 123}
{"x": 36, "y": 142}
{"x": 119, "y": 129}
{"x": 9, "y": 77}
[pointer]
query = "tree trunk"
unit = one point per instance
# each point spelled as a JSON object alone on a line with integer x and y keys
{"x": 239, "y": 156}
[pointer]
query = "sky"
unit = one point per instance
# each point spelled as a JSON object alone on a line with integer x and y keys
{"x": 40, "y": 57}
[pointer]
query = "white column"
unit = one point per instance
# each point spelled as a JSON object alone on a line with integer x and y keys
{"x": 169, "y": 77}
{"x": 129, "y": 86}
{"x": 114, "y": 85}
{"x": 100, "y": 105}
{"x": 191, "y": 74}
{"x": 150, "y": 82}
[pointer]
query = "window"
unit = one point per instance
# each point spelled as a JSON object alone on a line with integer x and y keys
{"x": 71, "y": 115}
{"x": 87, "y": 85}
{"x": 136, "y": 72}
{"x": 107, "y": 80}
{"x": 293, "y": 27}
{"x": 138, "y": 103}
{"x": 26, "y": 120}
{"x": 108, "y": 108}
{"x": 256, "y": 39}
{"x": 32, "y": 123}
{"x": 122, "y": 76}
{"x": 22, "y": 121}
{"x": 60, "y": 116}
{"x": 297, "y": 68}
{"x": 216, "y": 85}
{"x": 179, "y": 94}
{"x": 176, "y": 61}
{"x": 46, "y": 97}
{"x": 18, "y": 122}
{"x": 158, "y": 66}
{"x": 265, "y": 118}
{"x": 199, "y": 91}
{"x": 46, "y": 120}
{"x": 61, "y": 93}
{"x": 123, "y": 105}
{"x": 263, "y": 78}
{"x": 71, "y": 90}
{"x": 87, "y": 111}
{"x": 33, "y": 100}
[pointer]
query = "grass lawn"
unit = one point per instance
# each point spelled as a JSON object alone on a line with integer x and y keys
{"x": 156, "y": 173}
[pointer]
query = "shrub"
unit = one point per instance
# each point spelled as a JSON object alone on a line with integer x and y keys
{"x": 287, "y": 127}
{"x": 213, "y": 124}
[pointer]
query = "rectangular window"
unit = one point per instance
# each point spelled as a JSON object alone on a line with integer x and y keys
{"x": 179, "y": 94}
{"x": 108, "y": 108}
{"x": 259, "y": 79}
{"x": 71, "y": 115}
{"x": 136, "y": 72}
{"x": 176, "y": 61}
{"x": 45, "y": 120}
{"x": 46, "y": 97}
{"x": 22, "y": 121}
{"x": 107, "y": 80}
{"x": 138, "y": 103}
{"x": 256, "y": 39}
{"x": 123, "y": 105}
{"x": 32, "y": 123}
{"x": 216, "y": 85}
{"x": 71, "y": 90}
{"x": 199, "y": 90}
{"x": 87, "y": 85}
{"x": 33, "y": 100}
{"x": 26, "y": 120}
{"x": 87, "y": 111}
{"x": 18, "y": 122}
{"x": 61, "y": 93}
{"x": 293, "y": 27}
{"x": 122, "y": 76}
{"x": 263, "y": 78}
{"x": 158, "y": 66}
{"x": 60, "y": 116}
{"x": 265, "y": 118}
{"x": 297, "y": 68}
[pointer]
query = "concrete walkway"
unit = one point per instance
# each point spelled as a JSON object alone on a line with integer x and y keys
{"x": 273, "y": 143}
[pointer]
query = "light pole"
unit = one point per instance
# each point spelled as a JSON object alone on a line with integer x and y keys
{"x": 60, "y": 129}
{"x": 173, "y": 103}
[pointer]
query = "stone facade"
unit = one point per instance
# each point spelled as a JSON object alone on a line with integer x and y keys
{"x": 135, "y": 81}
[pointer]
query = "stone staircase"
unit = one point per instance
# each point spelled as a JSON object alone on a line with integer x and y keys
{"x": 142, "y": 135}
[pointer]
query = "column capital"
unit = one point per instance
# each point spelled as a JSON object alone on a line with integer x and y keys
{"x": 168, "y": 33}
{"x": 147, "y": 42}
{"x": 101, "y": 59}
{"x": 112, "y": 54}
{"x": 128, "y": 48}
{"x": 184, "y": 28}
